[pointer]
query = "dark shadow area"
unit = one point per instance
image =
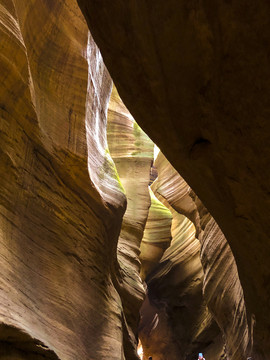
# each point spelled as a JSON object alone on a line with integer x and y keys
{"x": 15, "y": 344}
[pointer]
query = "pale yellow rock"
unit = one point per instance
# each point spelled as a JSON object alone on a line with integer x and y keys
{"x": 157, "y": 236}
{"x": 132, "y": 152}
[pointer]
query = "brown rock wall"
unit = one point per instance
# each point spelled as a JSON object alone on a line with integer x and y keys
{"x": 222, "y": 290}
{"x": 195, "y": 75}
{"x": 221, "y": 277}
{"x": 60, "y": 216}
{"x": 175, "y": 321}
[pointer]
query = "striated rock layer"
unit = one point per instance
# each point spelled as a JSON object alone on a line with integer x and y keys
{"x": 156, "y": 237}
{"x": 175, "y": 321}
{"x": 222, "y": 290}
{"x": 132, "y": 152}
{"x": 221, "y": 276}
{"x": 195, "y": 75}
{"x": 61, "y": 199}
{"x": 68, "y": 288}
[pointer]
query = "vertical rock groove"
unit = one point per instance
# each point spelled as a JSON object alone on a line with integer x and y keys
{"x": 132, "y": 152}
{"x": 175, "y": 321}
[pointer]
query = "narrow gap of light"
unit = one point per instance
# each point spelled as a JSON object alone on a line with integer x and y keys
{"x": 156, "y": 151}
{"x": 140, "y": 350}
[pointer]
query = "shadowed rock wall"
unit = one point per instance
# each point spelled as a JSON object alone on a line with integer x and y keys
{"x": 195, "y": 75}
{"x": 221, "y": 287}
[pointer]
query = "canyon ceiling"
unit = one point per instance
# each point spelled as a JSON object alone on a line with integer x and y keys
{"x": 92, "y": 258}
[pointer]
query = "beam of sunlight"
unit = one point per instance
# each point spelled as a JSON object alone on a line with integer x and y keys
{"x": 140, "y": 350}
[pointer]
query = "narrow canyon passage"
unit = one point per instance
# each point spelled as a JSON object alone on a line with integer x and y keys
{"x": 112, "y": 247}
{"x": 167, "y": 229}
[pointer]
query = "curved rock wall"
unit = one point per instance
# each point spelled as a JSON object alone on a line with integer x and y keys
{"x": 221, "y": 276}
{"x": 222, "y": 290}
{"x": 175, "y": 321}
{"x": 156, "y": 237}
{"x": 195, "y": 75}
{"x": 17, "y": 345}
{"x": 61, "y": 207}
{"x": 132, "y": 152}
{"x": 68, "y": 288}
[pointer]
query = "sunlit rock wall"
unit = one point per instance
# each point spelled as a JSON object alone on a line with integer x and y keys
{"x": 61, "y": 200}
{"x": 195, "y": 76}
{"x": 154, "y": 333}
{"x": 175, "y": 321}
{"x": 157, "y": 236}
{"x": 132, "y": 152}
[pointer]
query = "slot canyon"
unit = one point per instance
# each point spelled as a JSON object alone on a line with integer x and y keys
{"x": 135, "y": 187}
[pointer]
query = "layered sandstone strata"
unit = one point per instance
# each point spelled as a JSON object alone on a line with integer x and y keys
{"x": 132, "y": 152}
{"x": 221, "y": 287}
{"x": 194, "y": 77}
{"x": 61, "y": 199}
{"x": 157, "y": 236}
{"x": 175, "y": 321}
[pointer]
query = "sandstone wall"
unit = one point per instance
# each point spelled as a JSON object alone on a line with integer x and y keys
{"x": 195, "y": 75}
{"x": 132, "y": 152}
{"x": 61, "y": 200}
{"x": 175, "y": 321}
{"x": 222, "y": 290}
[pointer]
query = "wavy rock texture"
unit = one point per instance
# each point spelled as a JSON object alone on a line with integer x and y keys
{"x": 154, "y": 332}
{"x": 61, "y": 200}
{"x": 156, "y": 237}
{"x": 221, "y": 276}
{"x": 195, "y": 75}
{"x": 175, "y": 322}
{"x": 220, "y": 271}
{"x": 132, "y": 152}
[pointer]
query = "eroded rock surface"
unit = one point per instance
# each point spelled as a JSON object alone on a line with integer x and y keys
{"x": 222, "y": 290}
{"x": 157, "y": 236}
{"x": 195, "y": 75}
{"x": 132, "y": 152}
{"x": 221, "y": 277}
{"x": 61, "y": 200}
{"x": 175, "y": 321}
{"x": 17, "y": 345}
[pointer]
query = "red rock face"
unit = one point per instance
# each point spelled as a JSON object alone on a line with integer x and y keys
{"x": 195, "y": 77}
